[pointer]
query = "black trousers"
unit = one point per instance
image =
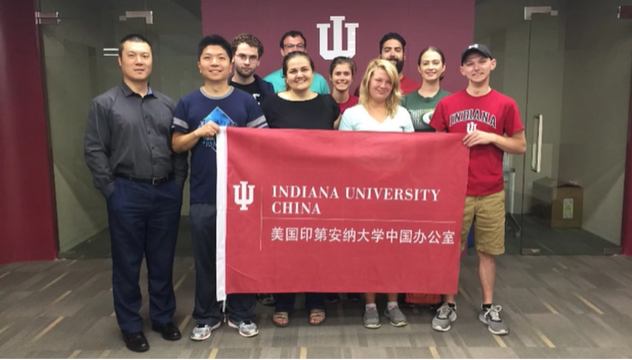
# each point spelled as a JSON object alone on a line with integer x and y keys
{"x": 239, "y": 307}
{"x": 144, "y": 221}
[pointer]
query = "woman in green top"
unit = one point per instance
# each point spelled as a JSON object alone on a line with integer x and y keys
{"x": 421, "y": 103}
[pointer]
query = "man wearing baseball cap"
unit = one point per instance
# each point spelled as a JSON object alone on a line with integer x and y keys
{"x": 491, "y": 124}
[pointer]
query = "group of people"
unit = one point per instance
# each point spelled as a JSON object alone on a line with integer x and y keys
{"x": 137, "y": 143}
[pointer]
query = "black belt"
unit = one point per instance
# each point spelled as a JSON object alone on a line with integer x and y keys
{"x": 152, "y": 181}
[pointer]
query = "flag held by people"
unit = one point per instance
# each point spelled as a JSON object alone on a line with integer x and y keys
{"x": 328, "y": 211}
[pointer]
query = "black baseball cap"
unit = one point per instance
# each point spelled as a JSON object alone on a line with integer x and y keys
{"x": 479, "y": 48}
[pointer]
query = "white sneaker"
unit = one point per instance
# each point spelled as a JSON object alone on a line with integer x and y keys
{"x": 491, "y": 318}
{"x": 246, "y": 328}
{"x": 203, "y": 331}
{"x": 444, "y": 318}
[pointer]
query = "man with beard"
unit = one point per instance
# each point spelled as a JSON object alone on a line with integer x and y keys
{"x": 248, "y": 50}
{"x": 393, "y": 49}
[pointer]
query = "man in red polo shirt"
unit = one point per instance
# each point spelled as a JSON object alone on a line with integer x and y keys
{"x": 485, "y": 116}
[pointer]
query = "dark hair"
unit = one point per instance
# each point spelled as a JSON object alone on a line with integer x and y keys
{"x": 132, "y": 38}
{"x": 249, "y": 40}
{"x": 342, "y": 60}
{"x": 215, "y": 40}
{"x": 294, "y": 54}
{"x": 292, "y": 33}
{"x": 391, "y": 36}
{"x": 435, "y": 49}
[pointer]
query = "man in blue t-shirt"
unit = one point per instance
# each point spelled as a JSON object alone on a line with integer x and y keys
{"x": 197, "y": 119}
{"x": 290, "y": 42}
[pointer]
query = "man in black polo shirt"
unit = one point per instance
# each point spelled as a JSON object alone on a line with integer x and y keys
{"x": 128, "y": 151}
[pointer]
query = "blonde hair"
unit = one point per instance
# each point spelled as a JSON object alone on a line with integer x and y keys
{"x": 394, "y": 98}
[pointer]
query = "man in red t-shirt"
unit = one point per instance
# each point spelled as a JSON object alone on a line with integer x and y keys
{"x": 485, "y": 116}
{"x": 392, "y": 48}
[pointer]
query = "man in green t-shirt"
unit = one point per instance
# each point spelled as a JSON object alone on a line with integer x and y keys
{"x": 295, "y": 41}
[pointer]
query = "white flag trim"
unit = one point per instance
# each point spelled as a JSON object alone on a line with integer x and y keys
{"x": 222, "y": 179}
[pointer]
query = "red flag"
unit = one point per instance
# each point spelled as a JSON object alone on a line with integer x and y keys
{"x": 329, "y": 211}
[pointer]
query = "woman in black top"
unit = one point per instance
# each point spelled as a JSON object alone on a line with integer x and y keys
{"x": 300, "y": 108}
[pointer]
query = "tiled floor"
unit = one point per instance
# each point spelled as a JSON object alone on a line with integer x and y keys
{"x": 557, "y": 307}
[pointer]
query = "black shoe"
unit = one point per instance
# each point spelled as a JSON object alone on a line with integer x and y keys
{"x": 434, "y": 307}
{"x": 136, "y": 341}
{"x": 354, "y": 297}
{"x": 266, "y": 299}
{"x": 332, "y": 297}
{"x": 169, "y": 331}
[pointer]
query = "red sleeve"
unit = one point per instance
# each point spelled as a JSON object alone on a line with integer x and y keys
{"x": 438, "y": 120}
{"x": 513, "y": 124}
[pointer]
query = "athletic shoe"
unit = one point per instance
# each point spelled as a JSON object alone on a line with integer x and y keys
{"x": 246, "y": 328}
{"x": 371, "y": 319}
{"x": 396, "y": 316}
{"x": 203, "y": 331}
{"x": 491, "y": 317}
{"x": 444, "y": 318}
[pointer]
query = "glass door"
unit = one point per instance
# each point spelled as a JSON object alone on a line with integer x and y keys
{"x": 80, "y": 42}
{"x": 576, "y": 111}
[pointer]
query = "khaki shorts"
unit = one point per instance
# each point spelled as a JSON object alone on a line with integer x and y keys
{"x": 488, "y": 214}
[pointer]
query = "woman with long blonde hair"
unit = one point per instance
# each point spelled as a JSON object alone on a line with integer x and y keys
{"x": 379, "y": 110}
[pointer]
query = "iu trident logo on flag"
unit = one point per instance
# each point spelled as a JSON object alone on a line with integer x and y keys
{"x": 244, "y": 195}
{"x": 337, "y": 36}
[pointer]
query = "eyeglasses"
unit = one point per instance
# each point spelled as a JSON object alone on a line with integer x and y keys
{"x": 300, "y": 46}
